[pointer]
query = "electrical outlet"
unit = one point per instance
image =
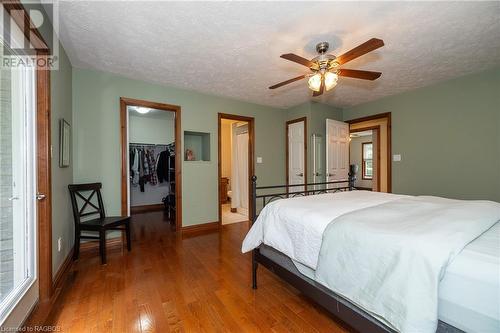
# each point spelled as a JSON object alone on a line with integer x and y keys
{"x": 59, "y": 244}
{"x": 259, "y": 160}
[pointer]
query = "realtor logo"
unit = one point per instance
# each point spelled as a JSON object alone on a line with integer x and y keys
{"x": 23, "y": 44}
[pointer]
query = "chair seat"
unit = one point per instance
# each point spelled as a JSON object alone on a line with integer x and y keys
{"x": 106, "y": 222}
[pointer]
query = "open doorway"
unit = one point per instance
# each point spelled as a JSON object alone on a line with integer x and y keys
{"x": 377, "y": 130}
{"x": 150, "y": 159}
{"x": 235, "y": 168}
{"x": 364, "y": 154}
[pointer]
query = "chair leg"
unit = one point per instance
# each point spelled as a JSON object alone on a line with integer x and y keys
{"x": 127, "y": 233}
{"x": 76, "y": 248}
{"x": 102, "y": 245}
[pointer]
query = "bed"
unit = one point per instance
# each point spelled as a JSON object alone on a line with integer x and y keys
{"x": 292, "y": 246}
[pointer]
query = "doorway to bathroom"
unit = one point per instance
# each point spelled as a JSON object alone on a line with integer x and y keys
{"x": 236, "y": 151}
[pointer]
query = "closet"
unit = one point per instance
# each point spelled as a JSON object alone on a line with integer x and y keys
{"x": 151, "y": 157}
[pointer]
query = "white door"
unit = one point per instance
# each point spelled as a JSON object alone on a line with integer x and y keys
{"x": 18, "y": 288}
{"x": 296, "y": 158}
{"x": 337, "y": 151}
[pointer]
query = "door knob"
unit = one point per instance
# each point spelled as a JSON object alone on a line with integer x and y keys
{"x": 40, "y": 196}
{"x": 300, "y": 174}
{"x": 13, "y": 198}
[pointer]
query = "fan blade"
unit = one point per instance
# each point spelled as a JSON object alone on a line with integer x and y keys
{"x": 364, "y": 75}
{"x": 287, "y": 82}
{"x": 297, "y": 59}
{"x": 321, "y": 88}
{"x": 360, "y": 50}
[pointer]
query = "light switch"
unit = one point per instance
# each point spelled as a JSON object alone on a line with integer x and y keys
{"x": 259, "y": 160}
{"x": 396, "y": 158}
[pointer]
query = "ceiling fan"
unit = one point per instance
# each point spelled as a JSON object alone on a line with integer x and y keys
{"x": 326, "y": 69}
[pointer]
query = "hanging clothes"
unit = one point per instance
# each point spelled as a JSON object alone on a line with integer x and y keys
{"x": 147, "y": 167}
{"x": 135, "y": 167}
{"x": 153, "y": 177}
{"x": 162, "y": 170}
{"x": 145, "y": 163}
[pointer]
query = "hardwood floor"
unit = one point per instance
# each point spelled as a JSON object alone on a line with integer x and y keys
{"x": 170, "y": 284}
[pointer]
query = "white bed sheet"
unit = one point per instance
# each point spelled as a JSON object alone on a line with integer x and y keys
{"x": 469, "y": 293}
{"x": 295, "y": 226}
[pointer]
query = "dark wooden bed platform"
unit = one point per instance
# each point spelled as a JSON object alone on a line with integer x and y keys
{"x": 281, "y": 265}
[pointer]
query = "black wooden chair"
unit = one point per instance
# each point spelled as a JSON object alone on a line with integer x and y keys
{"x": 101, "y": 224}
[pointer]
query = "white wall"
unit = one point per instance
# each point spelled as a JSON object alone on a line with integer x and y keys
{"x": 157, "y": 128}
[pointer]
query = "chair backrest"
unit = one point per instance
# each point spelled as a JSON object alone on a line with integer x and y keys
{"x": 84, "y": 194}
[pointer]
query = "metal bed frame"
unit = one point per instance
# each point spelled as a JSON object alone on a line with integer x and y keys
{"x": 341, "y": 308}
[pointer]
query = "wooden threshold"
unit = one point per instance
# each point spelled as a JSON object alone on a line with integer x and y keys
{"x": 146, "y": 208}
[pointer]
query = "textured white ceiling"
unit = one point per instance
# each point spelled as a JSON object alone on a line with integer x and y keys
{"x": 232, "y": 49}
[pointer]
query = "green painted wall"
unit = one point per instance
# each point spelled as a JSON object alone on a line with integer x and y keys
{"x": 96, "y": 138}
{"x": 448, "y": 135}
{"x": 62, "y": 215}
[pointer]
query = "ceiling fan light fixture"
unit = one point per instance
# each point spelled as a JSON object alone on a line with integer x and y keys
{"x": 330, "y": 80}
{"x": 314, "y": 82}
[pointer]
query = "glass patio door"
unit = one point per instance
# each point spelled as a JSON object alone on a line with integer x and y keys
{"x": 17, "y": 185}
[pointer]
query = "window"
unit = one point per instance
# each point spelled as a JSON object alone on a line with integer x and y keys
{"x": 17, "y": 180}
{"x": 367, "y": 148}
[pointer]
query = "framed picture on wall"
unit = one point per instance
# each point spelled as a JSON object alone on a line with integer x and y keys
{"x": 64, "y": 143}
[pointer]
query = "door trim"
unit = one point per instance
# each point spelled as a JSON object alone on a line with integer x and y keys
{"x": 44, "y": 184}
{"x": 251, "y": 153}
{"x": 387, "y": 117}
{"x": 124, "y": 102}
{"x": 287, "y": 171}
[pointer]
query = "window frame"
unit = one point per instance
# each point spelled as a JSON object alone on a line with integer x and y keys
{"x": 363, "y": 166}
{"x": 43, "y": 261}
{"x": 25, "y": 97}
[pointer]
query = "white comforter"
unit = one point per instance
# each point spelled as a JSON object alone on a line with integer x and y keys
{"x": 295, "y": 226}
{"x": 389, "y": 259}
{"x": 385, "y": 252}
